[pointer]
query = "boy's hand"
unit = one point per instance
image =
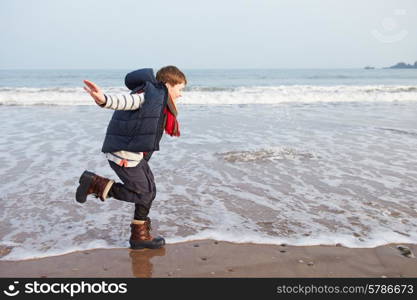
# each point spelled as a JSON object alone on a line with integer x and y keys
{"x": 95, "y": 92}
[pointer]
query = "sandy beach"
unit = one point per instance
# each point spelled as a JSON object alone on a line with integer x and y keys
{"x": 209, "y": 258}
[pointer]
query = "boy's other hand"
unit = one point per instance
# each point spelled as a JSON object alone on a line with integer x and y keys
{"x": 95, "y": 92}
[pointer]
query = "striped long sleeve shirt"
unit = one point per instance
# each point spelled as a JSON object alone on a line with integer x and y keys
{"x": 124, "y": 102}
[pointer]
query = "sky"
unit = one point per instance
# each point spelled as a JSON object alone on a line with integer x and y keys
{"x": 194, "y": 34}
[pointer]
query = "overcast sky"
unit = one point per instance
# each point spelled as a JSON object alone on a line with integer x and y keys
{"x": 97, "y": 34}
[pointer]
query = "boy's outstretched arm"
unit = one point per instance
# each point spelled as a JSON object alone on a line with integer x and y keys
{"x": 115, "y": 102}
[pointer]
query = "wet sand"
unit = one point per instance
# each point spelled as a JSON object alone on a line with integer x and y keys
{"x": 208, "y": 258}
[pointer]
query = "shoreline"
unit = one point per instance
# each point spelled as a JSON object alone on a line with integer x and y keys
{"x": 210, "y": 258}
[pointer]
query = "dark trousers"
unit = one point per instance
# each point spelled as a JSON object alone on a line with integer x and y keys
{"x": 138, "y": 187}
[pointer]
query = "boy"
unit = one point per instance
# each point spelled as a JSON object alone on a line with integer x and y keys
{"x": 133, "y": 133}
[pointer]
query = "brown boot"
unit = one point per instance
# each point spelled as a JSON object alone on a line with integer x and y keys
{"x": 91, "y": 183}
{"x": 141, "y": 238}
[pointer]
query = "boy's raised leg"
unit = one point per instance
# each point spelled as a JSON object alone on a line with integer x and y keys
{"x": 91, "y": 183}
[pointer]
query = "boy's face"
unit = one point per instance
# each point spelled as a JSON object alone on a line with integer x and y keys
{"x": 175, "y": 91}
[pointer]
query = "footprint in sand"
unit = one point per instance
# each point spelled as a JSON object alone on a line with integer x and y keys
{"x": 405, "y": 251}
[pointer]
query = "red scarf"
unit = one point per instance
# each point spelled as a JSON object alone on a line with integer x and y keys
{"x": 172, "y": 127}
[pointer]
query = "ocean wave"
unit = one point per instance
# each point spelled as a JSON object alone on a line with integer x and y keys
{"x": 393, "y": 89}
{"x": 400, "y": 131}
{"x": 210, "y": 89}
{"x": 330, "y": 77}
{"x": 223, "y": 95}
{"x": 14, "y": 252}
{"x": 265, "y": 155}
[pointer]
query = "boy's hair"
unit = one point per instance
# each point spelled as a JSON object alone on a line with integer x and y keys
{"x": 171, "y": 75}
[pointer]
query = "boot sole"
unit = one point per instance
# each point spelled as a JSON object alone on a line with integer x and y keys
{"x": 154, "y": 244}
{"x": 85, "y": 181}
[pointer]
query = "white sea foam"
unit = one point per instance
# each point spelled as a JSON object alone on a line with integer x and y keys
{"x": 20, "y": 253}
{"x": 379, "y": 239}
{"x": 224, "y": 96}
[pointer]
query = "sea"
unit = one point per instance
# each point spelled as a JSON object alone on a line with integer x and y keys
{"x": 265, "y": 156}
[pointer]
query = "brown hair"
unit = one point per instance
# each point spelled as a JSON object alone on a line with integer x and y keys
{"x": 171, "y": 75}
